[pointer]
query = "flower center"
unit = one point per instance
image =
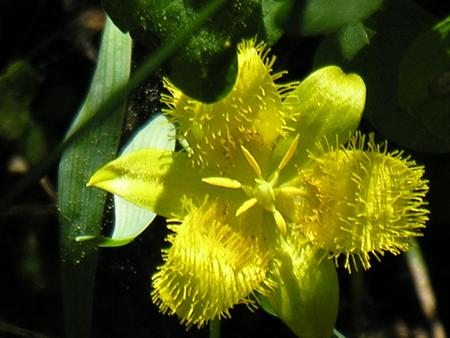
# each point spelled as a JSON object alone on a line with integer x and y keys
{"x": 262, "y": 193}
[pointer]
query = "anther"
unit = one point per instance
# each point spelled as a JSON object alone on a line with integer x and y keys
{"x": 223, "y": 182}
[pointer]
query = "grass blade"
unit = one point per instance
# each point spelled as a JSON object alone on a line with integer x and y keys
{"x": 81, "y": 209}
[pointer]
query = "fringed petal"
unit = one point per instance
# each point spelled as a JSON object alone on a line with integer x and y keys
{"x": 209, "y": 268}
{"x": 369, "y": 201}
{"x": 251, "y": 111}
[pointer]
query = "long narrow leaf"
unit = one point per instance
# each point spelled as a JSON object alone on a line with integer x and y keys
{"x": 81, "y": 209}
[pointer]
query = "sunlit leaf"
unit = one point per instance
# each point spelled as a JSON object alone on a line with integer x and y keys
{"x": 81, "y": 209}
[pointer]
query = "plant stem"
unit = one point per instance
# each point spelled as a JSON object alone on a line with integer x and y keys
{"x": 425, "y": 293}
{"x": 337, "y": 334}
{"x": 214, "y": 328}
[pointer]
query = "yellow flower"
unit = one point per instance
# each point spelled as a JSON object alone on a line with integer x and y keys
{"x": 256, "y": 200}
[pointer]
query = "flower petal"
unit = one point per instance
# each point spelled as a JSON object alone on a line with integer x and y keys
{"x": 153, "y": 179}
{"x": 327, "y": 104}
{"x": 209, "y": 268}
{"x": 131, "y": 220}
{"x": 250, "y": 111}
{"x": 368, "y": 201}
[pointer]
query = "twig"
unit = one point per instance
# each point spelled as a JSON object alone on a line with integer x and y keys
{"x": 424, "y": 290}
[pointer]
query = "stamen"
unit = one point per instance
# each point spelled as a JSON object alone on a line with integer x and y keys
{"x": 293, "y": 191}
{"x": 246, "y": 206}
{"x": 251, "y": 160}
{"x": 273, "y": 179}
{"x": 223, "y": 182}
{"x": 280, "y": 222}
{"x": 290, "y": 152}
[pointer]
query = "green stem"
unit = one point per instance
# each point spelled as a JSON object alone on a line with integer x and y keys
{"x": 357, "y": 292}
{"x": 214, "y": 328}
{"x": 337, "y": 334}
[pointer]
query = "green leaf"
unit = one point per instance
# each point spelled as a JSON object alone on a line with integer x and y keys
{"x": 265, "y": 305}
{"x": 395, "y": 27}
{"x": 423, "y": 86}
{"x": 205, "y": 68}
{"x": 274, "y": 15}
{"x": 81, "y": 209}
{"x": 352, "y": 38}
{"x": 131, "y": 220}
{"x": 307, "y": 296}
{"x": 326, "y": 16}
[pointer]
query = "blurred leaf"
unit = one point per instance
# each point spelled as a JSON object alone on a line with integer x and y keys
{"x": 395, "y": 27}
{"x": 35, "y": 144}
{"x": 274, "y": 15}
{"x": 424, "y": 86}
{"x": 308, "y": 294}
{"x": 81, "y": 209}
{"x": 18, "y": 85}
{"x": 205, "y": 68}
{"x": 314, "y": 17}
{"x": 265, "y": 305}
{"x": 352, "y": 38}
{"x": 131, "y": 220}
